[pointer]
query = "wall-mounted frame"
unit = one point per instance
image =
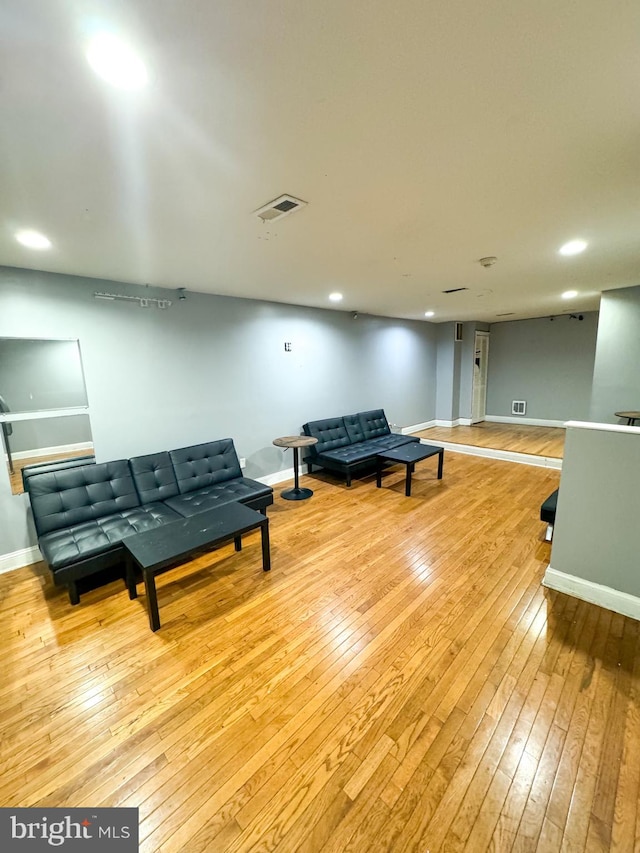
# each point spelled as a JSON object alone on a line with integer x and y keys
{"x": 44, "y": 411}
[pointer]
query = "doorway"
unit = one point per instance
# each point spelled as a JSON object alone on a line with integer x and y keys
{"x": 480, "y": 369}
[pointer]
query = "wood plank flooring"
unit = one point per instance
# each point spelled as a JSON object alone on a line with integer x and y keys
{"x": 400, "y": 681}
{"x": 536, "y": 440}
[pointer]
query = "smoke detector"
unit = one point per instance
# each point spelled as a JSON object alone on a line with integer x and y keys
{"x": 279, "y": 207}
{"x": 488, "y": 261}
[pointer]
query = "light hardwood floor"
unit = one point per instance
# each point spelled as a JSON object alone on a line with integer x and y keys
{"x": 536, "y": 440}
{"x": 400, "y": 681}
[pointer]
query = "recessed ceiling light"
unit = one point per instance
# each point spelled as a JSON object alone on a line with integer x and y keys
{"x": 116, "y": 62}
{"x": 569, "y": 294}
{"x": 33, "y": 240}
{"x": 429, "y": 313}
{"x": 335, "y": 297}
{"x": 573, "y": 247}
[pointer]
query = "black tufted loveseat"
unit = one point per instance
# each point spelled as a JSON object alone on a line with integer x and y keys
{"x": 82, "y": 514}
{"x": 350, "y": 443}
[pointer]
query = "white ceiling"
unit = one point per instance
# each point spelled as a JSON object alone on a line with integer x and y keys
{"x": 424, "y": 135}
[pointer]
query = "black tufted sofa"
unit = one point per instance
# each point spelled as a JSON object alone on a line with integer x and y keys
{"x": 350, "y": 443}
{"x": 82, "y": 514}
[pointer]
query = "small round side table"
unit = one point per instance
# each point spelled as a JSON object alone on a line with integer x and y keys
{"x": 631, "y": 417}
{"x": 295, "y": 441}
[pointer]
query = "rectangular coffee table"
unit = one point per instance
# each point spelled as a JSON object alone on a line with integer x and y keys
{"x": 156, "y": 551}
{"x": 409, "y": 454}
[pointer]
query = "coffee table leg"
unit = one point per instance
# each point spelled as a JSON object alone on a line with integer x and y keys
{"x": 379, "y": 473}
{"x": 130, "y": 577}
{"x": 238, "y": 543}
{"x": 266, "y": 550}
{"x": 440, "y": 463}
{"x": 407, "y": 488}
{"x": 152, "y": 600}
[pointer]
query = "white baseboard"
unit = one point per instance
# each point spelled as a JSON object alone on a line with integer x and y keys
{"x": 18, "y": 559}
{"x": 595, "y": 593}
{"x": 417, "y": 427}
{"x": 279, "y": 476}
{"x": 504, "y": 455}
{"x": 50, "y": 451}
{"x": 515, "y": 419}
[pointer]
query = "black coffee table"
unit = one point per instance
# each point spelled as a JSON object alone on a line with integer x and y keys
{"x": 408, "y": 454}
{"x": 156, "y": 551}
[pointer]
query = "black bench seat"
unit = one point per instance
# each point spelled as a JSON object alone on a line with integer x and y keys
{"x": 350, "y": 443}
{"x": 548, "y": 513}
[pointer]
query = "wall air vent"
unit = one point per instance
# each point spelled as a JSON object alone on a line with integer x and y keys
{"x": 279, "y": 207}
{"x": 506, "y": 314}
{"x": 455, "y": 290}
{"x": 518, "y": 407}
{"x": 457, "y": 332}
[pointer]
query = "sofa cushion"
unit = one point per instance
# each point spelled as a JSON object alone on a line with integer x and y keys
{"x": 330, "y": 432}
{"x": 350, "y": 455}
{"x": 80, "y": 541}
{"x": 386, "y": 442}
{"x": 205, "y": 465}
{"x": 366, "y": 450}
{"x": 374, "y": 423}
{"x": 61, "y": 499}
{"x": 154, "y": 477}
{"x": 241, "y": 489}
{"x": 59, "y": 465}
{"x": 354, "y": 428}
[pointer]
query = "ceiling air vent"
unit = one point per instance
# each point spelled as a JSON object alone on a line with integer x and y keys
{"x": 455, "y": 289}
{"x": 279, "y": 207}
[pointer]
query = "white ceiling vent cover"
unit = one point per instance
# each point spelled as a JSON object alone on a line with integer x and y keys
{"x": 279, "y": 207}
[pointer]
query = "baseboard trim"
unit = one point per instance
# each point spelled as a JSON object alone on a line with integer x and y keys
{"x": 417, "y": 427}
{"x": 278, "y": 476}
{"x": 502, "y": 455}
{"x": 594, "y": 593}
{"x": 19, "y": 559}
{"x": 500, "y": 419}
{"x": 50, "y": 451}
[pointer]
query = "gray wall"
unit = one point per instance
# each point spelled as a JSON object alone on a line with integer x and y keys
{"x": 449, "y": 355}
{"x": 616, "y": 375}
{"x": 596, "y": 535}
{"x": 547, "y": 363}
{"x": 212, "y": 367}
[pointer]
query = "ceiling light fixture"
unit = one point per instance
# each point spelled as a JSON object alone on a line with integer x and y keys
{"x": 335, "y": 297}
{"x": 573, "y": 247}
{"x": 116, "y": 62}
{"x": 569, "y": 294}
{"x": 429, "y": 313}
{"x": 33, "y": 240}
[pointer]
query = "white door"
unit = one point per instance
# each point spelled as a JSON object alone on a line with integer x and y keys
{"x": 480, "y": 365}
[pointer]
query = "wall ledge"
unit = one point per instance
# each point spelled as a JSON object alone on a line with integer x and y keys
{"x": 595, "y": 593}
{"x": 634, "y": 430}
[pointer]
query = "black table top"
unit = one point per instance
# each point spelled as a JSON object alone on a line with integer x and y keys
{"x": 166, "y": 544}
{"x": 413, "y": 452}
